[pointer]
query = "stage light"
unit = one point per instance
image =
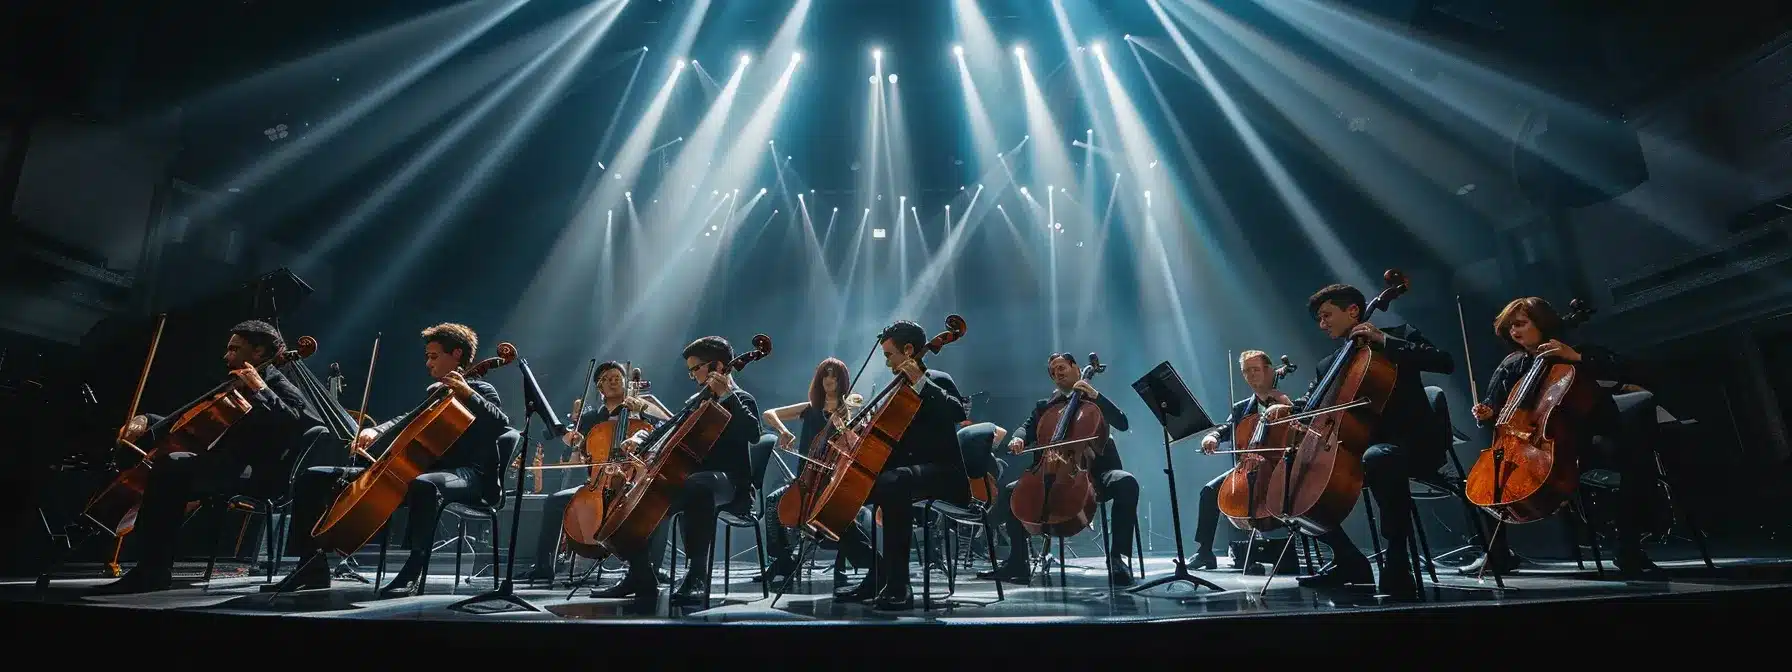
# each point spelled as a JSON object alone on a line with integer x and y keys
{"x": 872, "y": 79}
{"x": 628, "y": 195}
{"x": 693, "y": 62}
{"x": 892, "y": 78}
{"x": 745, "y": 59}
{"x": 678, "y": 65}
{"x": 958, "y": 51}
{"x": 796, "y": 56}
{"x": 1097, "y": 47}
{"x": 1091, "y": 131}
{"x": 877, "y": 54}
{"x": 762, "y": 191}
{"x": 1127, "y": 37}
{"x": 878, "y": 234}
{"x": 1020, "y": 52}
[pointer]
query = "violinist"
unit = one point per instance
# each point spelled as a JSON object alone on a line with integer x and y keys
{"x": 612, "y": 386}
{"x": 720, "y": 483}
{"x": 1111, "y": 482}
{"x": 1532, "y": 328}
{"x": 1260, "y": 375}
{"x": 827, "y": 406}
{"x": 468, "y": 472}
{"x": 1399, "y": 449}
{"x": 249, "y": 450}
{"x": 926, "y": 464}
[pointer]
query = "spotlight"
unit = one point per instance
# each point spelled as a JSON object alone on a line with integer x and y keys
{"x": 1020, "y": 52}
{"x": 796, "y": 56}
{"x": 1097, "y": 47}
{"x": 872, "y": 79}
{"x": 1127, "y": 37}
{"x": 745, "y": 59}
{"x": 957, "y": 51}
{"x": 877, "y": 54}
{"x": 678, "y": 65}
{"x": 762, "y": 191}
{"x": 693, "y": 62}
{"x": 628, "y": 195}
{"x": 1091, "y": 131}
{"x": 892, "y": 78}
{"x": 643, "y": 48}
{"x": 879, "y": 234}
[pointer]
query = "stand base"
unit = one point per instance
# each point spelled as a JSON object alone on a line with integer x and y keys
{"x": 1179, "y": 574}
{"x": 502, "y": 595}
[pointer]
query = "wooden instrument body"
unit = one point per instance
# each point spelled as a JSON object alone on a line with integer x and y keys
{"x": 585, "y": 513}
{"x": 857, "y": 458}
{"x": 644, "y": 500}
{"x": 606, "y": 436}
{"x": 1056, "y": 496}
{"x": 1243, "y": 496}
{"x": 809, "y": 481}
{"x": 1327, "y": 476}
{"x": 1536, "y": 445}
{"x": 114, "y": 508}
{"x": 367, "y": 502}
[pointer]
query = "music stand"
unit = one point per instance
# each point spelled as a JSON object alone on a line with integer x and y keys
{"x": 1181, "y": 416}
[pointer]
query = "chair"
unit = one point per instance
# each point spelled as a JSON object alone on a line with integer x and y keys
{"x": 974, "y": 513}
{"x": 1432, "y": 486}
{"x": 759, "y": 455}
{"x": 266, "y": 505}
{"x": 508, "y": 443}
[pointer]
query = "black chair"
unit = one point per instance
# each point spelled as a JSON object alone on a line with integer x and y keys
{"x": 974, "y": 513}
{"x": 752, "y": 516}
{"x": 267, "y": 505}
{"x": 1432, "y": 486}
{"x": 508, "y": 444}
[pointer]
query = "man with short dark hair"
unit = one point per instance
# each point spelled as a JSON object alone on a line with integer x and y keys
{"x": 721, "y": 481}
{"x": 246, "y": 453}
{"x": 1400, "y": 447}
{"x": 926, "y": 463}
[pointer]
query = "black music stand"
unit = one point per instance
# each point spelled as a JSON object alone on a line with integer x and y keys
{"x": 534, "y": 402}
{"x": 1181, "y": 416}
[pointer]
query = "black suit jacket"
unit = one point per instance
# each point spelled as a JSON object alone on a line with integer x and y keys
{"x": 264, "y": 438}
{"x": 476, "y": 452}
{"x": 932, "y": 437}
{"x": 1109, "y": 459}
{"x": 1408, "y": 414}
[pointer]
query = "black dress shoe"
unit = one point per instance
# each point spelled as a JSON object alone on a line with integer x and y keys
{"x": 401, "y": 587}
{"x": 631, "y": 584}
{"x": 1633, "y": 565}
{"x": 137, "y": 580}
{"x": 309, "y": 579}
{"x": 1120, "y": 573}
{"x": 1396, "y": 581}
{"x": 1011, "y": 572}
{"x": 895, "y": 598}
{"x": 1340, "y": 572}
{"x": 692, "y": 592}
{"x": 1506, "y": 564}
{"x": 865, "y": 590}
{"x": 1205, "y": 560}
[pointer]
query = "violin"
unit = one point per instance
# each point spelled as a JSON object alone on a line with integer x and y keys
{"x": 857, "y": 454}
{"x": 192, "y": 429}
{"x": 813, "y": 475}
{"x": 1532, "y": 467}
{"x": 584, "y": 518}
{"x": 1056, "y": 496}
{"x": 676, "y": 450}
{"x": 1317, "y": 482}
{"x": 1242, "y": 495}
{"x": 366, "y": 503}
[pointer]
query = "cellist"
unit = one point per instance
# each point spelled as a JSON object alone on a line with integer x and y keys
{"x": 827, "y": 405}
{"x": 1532, "y": 328}
{"x": 1111, "y": 482}
{"x": 612, "y": 386}
{"x": 1259, "y": 374}
{"x": 722, "y": 482}
{"x": 468, "y": 472}
{"x": 926, "y": 463}
{"x": 254, "y": 445}
{"x": 1400, "y": 449}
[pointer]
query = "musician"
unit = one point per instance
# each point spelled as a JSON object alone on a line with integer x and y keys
{"x": 925, "y": 464}
{"x": 827, "y": 405}
{"x": 244, "y": 456}
{"x": 721, "y": 481}
{"x": 1532, "y": 328}
{"x": 468, "y": 472}
{"x": 1260, "y": 375}
{"x": 1111, "y": 482}
{"x": 612, "y": 386}
{"x": 1400, "y": 447}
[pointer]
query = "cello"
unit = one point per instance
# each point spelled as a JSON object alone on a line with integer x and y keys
{"x": 1532, "y": 467}
{"x": 611, "y": 464}
{"x": 1242, "y": 495}
{"x": 813, "y": 476}
{"x": 1319, "y": 478}
{"x": 366, "y": 503}
{"x": 856, "y": 454}
{"x": 677, "y": 450}
{"x": 1056, "y": 496}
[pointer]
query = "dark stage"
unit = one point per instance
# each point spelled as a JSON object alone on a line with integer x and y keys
{"x": 1546, "y": 604}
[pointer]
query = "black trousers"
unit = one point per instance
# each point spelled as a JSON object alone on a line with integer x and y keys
{"x": 1207, "y": 514}
{"x": 1386, "y": 469}
{"x": 780, "y": 540}
{"x": 894, "y": 494}
{"x": 315, "y": 490}
{"x": 1116, "y": 486}
{"x": 174, "y": 480}
{"x": 704, "y": 493}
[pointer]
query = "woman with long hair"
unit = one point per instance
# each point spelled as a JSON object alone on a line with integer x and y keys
{"x": 830, "y": 403}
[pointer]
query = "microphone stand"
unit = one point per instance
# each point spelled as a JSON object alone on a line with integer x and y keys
{"x": 534, "y": 402}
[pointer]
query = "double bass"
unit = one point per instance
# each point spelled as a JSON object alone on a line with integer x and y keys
{"x": 611, "y": 465}
{"x": 1056, "y": 496}
{"x": 856, "y": 455}
{"x": 1242, "y": 495}
{"x": 676, "y": 450}
{"x": 366, "y": 503}
{"x": 1533, "y": 464}
{"x": 1317, "y": 482}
